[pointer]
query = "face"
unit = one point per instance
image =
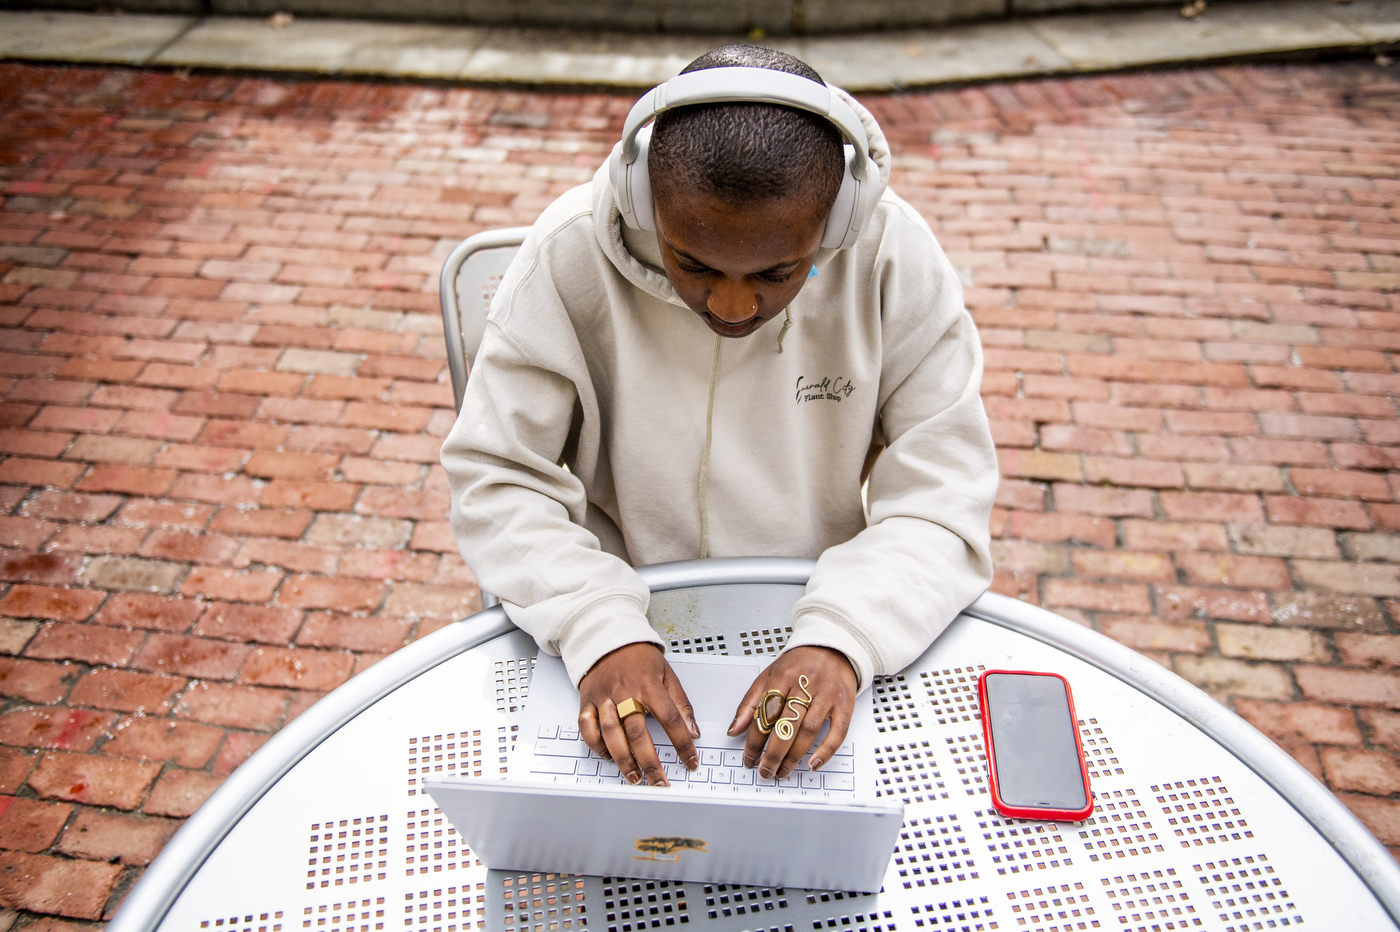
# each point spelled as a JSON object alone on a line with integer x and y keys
{"x": 737, "y": 266}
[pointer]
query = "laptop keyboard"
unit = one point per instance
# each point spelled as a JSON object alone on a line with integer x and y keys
{"x": 560, "y": 752}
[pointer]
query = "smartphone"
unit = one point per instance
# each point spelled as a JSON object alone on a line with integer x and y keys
{"x": 1034, "y": 756}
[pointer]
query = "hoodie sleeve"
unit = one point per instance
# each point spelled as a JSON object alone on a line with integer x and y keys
{"x": 882, "y": 597}
{"x": 520, "y": 518}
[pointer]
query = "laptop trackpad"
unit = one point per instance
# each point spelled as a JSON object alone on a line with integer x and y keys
{"x": 714, "y": 689}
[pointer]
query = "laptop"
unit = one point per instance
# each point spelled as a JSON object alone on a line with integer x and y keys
{"x": 564, "y": 808}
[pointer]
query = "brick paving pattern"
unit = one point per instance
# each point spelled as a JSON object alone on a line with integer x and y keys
{"x": 223, "y": 395}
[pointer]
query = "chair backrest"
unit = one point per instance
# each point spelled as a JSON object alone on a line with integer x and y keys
{"x": 469, "y": 281}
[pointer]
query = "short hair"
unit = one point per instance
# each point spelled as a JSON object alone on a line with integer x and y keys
{"x": 741, "y": 152}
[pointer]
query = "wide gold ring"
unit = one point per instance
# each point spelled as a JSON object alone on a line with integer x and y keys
{"x": 630, "y": 707}
{"x": 760, "y": 714}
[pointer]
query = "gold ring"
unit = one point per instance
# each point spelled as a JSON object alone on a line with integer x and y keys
{"x": 785, "y": 728}
{"x": 630, "y": 707}
{"x": 760, "y": 714}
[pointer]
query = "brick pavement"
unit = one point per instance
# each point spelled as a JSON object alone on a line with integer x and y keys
{"x": 224, "y": 394}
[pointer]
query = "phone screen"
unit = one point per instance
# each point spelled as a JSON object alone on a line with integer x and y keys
{"x": 1033, "y": 740}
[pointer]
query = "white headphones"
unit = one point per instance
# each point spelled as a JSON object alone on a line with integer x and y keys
{"x": 860, "y": 188}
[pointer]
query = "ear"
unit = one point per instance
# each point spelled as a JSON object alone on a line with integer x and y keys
{"x": 632, "y": 184}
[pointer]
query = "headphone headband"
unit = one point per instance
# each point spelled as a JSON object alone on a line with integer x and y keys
{"x": 745, "y": 85}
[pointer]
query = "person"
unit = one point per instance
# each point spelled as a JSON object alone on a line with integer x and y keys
{"x": 637, "y": 399}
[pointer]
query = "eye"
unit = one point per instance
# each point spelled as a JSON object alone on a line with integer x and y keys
{"x": 692, "y": 269}
{"x": 775, "y": 279}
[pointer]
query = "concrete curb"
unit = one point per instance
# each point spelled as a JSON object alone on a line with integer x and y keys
{"x": 867, "y": 62}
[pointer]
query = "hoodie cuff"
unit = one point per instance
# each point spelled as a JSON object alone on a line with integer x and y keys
{"x": 813, "y": 628}
{"x": 601, "y": 629}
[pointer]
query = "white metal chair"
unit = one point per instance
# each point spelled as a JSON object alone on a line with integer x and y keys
{"x": 469, "y": 280}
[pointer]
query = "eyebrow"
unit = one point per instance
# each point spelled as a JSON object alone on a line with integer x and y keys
{"x": 792, "y": 263}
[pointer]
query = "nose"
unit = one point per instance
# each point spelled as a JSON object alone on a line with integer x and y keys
{"x": 731, "y": 302}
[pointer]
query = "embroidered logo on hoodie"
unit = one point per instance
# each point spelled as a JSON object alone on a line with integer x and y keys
{"x": 825, "y": 388}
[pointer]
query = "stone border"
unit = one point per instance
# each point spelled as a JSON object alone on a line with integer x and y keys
{"x": 868, "y": 62}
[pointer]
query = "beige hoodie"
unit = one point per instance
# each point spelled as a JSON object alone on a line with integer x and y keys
{"x": 591, "y": 362}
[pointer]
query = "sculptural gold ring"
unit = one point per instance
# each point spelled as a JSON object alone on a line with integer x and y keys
{"x": 630, "y": 707}
{"x": 764, "y": 721}
{"x": 786, "y": 728}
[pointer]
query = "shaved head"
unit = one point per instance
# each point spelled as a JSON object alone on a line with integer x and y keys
{"x": 742, "y": 152}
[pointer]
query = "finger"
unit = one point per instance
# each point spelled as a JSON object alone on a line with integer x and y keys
{"x": 806, "y": 735}
{"x": 643, "y": 751}
{"x": 840, "y": 724}
{"x": 681, "y": 702}
{"x": 616, "y": 740}
{"x": 743, "y": 715}
{"x": 589, "y": 731}
{"x": 778, "y": 745}
{"x": 676, "y": 722}
{"x": 753, "y": 745}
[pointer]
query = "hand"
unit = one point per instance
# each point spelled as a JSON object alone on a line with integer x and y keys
{"x": 831, "y": 682}
{"x": 637, "y": 671}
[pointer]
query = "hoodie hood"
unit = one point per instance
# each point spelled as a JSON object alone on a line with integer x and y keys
{"x": 607, "y": 219}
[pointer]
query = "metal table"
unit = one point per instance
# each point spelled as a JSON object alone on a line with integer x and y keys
{"x": 1201, "y": 822}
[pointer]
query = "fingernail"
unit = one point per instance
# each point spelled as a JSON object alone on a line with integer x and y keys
{"x": 664, "y": 783}
{"x": 691, "y": 763}
{"x": 732, "y": 725}
{"x": 694, "y": 728}
{"x": 634, "y": 778}
{"x": 766, "y": 774}
{"x": 816, "y": 763}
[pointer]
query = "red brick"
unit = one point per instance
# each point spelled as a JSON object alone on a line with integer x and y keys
{"x": 297, "y": 668}
{"x": 1109, "y": 597}
{"x": 53, "y": 568}
{"x": 97, "y": 539}
{"x": 1121, "y": 564}
{"x": 30, "y": 825}
{"x": 1301, "y": 721}
{"x": 15, "y": 765}
{"x": 413, "y": 601}
{"x": 261, "y": 522}
{"x": 33, "y": 442}
{"x": 238, "y": 746}
{"x": 104, "y": 836}
{"x": 1317, "y": 512}
{"x": 437, "y": 535}
{"x": 314, "y": 496}
{"x": 1349, "y": 687}
{"x": 1362, "y": 771}
{"x": 154, "y": 739}
{"x": 93, "y": 779}
{"x": 430, "y": 504}
{"x": 1340, "y": 483}
{"x": 221, "y": 433}
{"x": 139, "y": 610}
{"x": 86, "y": 643}
{"x": 262, "y": 383}
{"x": 244, "y": 707}
{"x": 1099, "y": 501}
{"x": 141, "y": 513}
{"x": 378, "y": 634}
{"x": 1381, "y": 816}
{"x": 125, "y": 691}
{"x": 290, "y": 555}
{"x": 1221, "y": 569}
{"x": 1211, "y": 506}
{"x": 56, "y": 886}
{"x": 1189, "y": 602}
{"x": 249, "y": 586}
{"x": 33, "y": 681}
{"x": 280, "y": 465}
{"x": 68, "y": 506}
{"x": 388, "y": 564}
{"x": 180, "y": 792}
{"x": 189, "y": 548}
{"x": 1231, "y": 478}
{"x": 201, "y": 458}
{"x": 62, "y": 729}
{"x": 343, "y": 595}
{"x": 132, "y": 480}
{"x": 1279, "y": 452}
{"x": 1154, "y": 634}
{"x": 191, "y": 656}
{"x": 270, "y": 625}
{"x": 223, "y": 490}
{"x": 18, "y": 470}
{"x": 1161, "y": 535}
{"x": 1133, "y": 472}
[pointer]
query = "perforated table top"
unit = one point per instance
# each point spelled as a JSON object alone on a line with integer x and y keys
{"x": 1184, "y": 835}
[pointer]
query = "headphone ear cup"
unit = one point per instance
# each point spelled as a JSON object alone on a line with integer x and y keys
{"x": 838, "y": 233}
{"x": 639, "y": 184}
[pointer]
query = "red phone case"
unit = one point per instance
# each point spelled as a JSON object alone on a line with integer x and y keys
{"x": 1019, "y": 812}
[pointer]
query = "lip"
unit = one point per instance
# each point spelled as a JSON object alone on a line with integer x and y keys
{"x": 741, "y": 329}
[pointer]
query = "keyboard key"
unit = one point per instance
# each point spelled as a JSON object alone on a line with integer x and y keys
{"x": 560, "y": 765}
{"x": 666, "y": 754}
{"x": 561, "y": 748}
{"x": 588, "y": 768}
{"x": 840, "y": 765}
{"x": 608, "y": 769}
{"x": 846, "y": 750}
{"x": 811, "y": 780}
{"x": 839, "y": 781}
{"x": 711, "y": 758}
{"x": 568, "y": 733}
{"x": 733, "y": 759}
{"x": 700, "y": 775}
{"x": 675, "y": 773}
{"x": 742, "y": 776}
{"x": 791, "y": 780}
{"x": 719, "y": 775}
{"x": 549, "y": 731}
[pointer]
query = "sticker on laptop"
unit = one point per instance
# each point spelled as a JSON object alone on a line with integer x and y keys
{"x": 667, "y": 848}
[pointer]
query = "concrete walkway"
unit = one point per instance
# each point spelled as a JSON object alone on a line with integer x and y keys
{"x": 866, "y": 62}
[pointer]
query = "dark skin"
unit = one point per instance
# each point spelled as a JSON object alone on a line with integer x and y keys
{"x": 737, "y": 266}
